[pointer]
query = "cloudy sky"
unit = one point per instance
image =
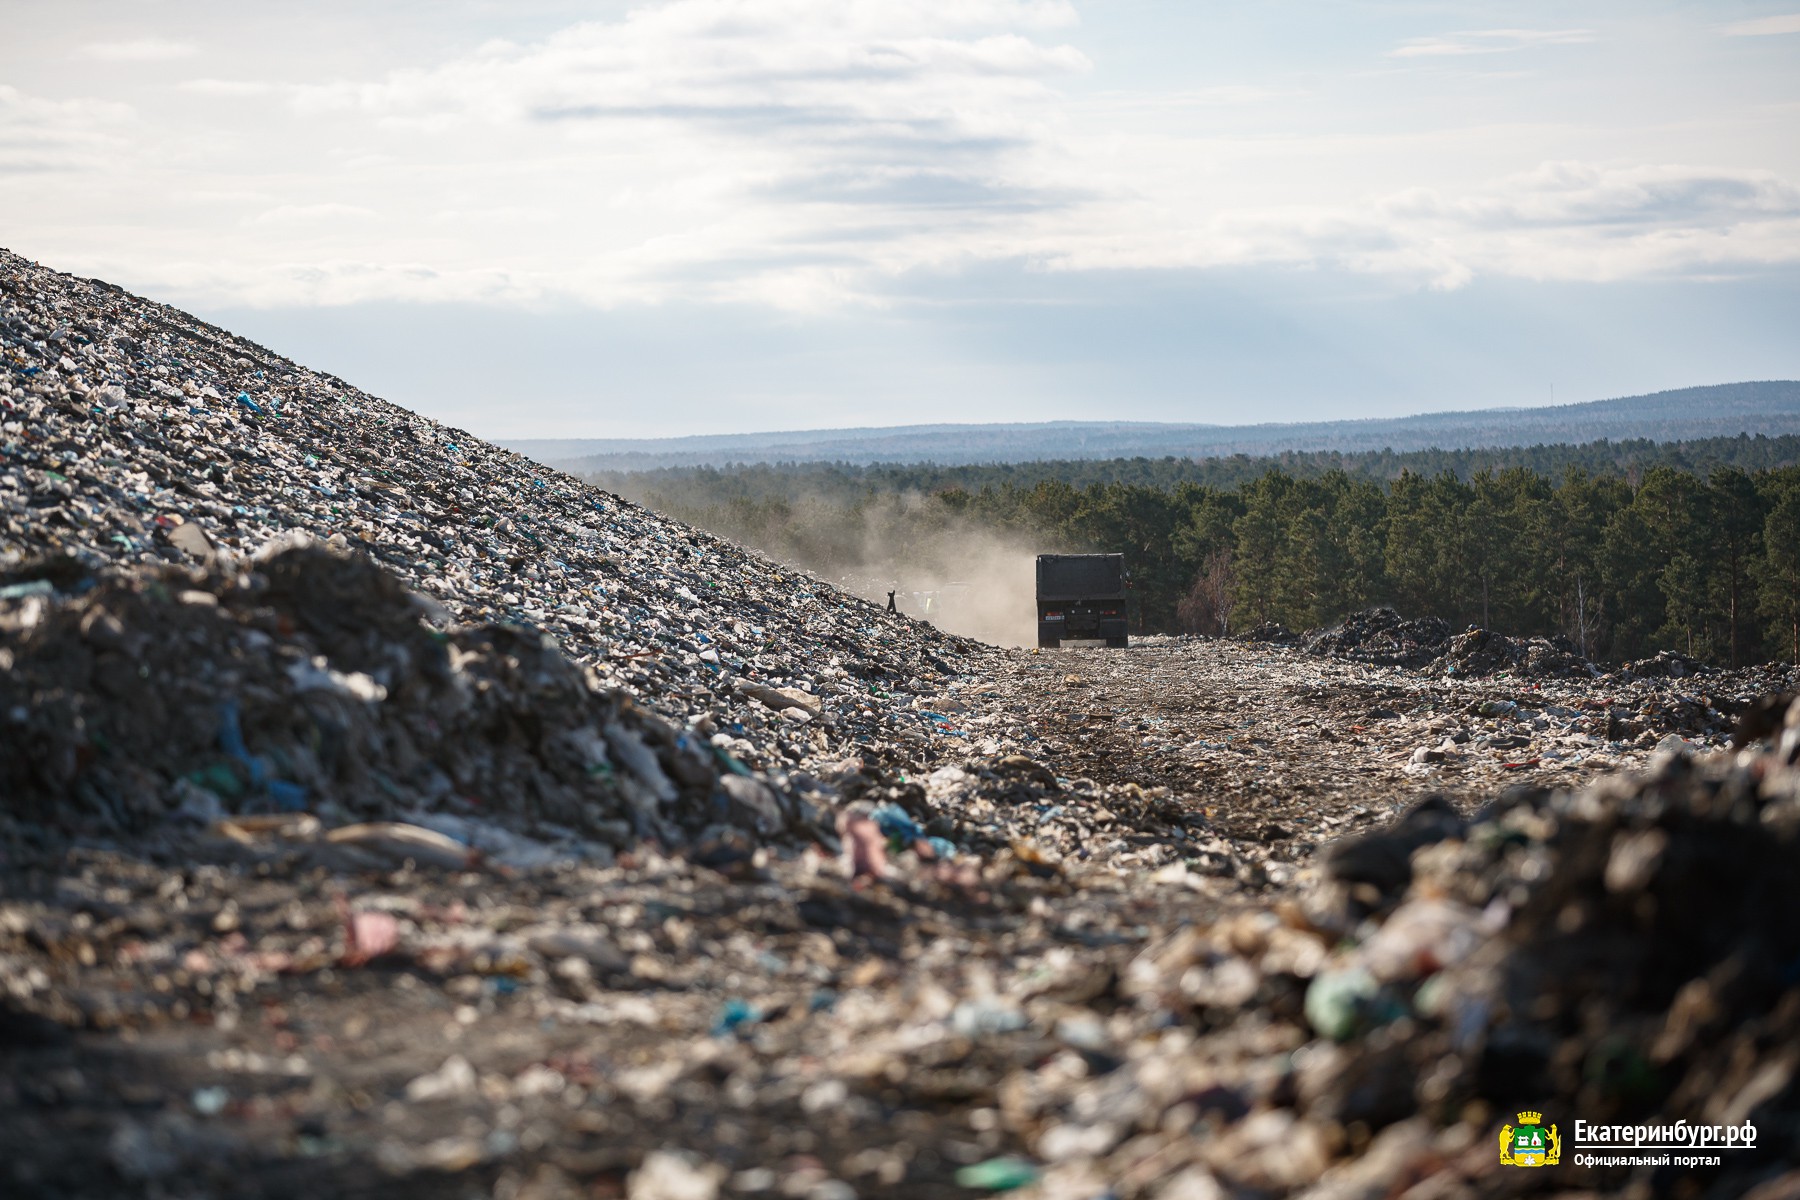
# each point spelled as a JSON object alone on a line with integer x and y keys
{"x": 538, "y": 218}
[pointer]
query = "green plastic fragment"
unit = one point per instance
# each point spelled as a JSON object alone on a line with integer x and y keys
{"x": 997, "y": 1174}
{"x": 219, "y": 779}
{"x": 1342, "y": 1003}
{"x": 730, "y": 762}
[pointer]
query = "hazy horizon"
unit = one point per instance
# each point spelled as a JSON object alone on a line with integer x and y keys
{"x": 1219, "y": 425}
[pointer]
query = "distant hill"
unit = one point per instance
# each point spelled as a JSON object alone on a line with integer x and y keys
{"x": 1722, "y": 410}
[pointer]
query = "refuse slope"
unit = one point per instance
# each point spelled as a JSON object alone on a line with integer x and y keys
{"x": 136, "y": 436}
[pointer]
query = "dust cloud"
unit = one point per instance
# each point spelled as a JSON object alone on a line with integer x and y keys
{"x": 942, "y": 567}
{"x": 973, "y": 584}
{"x": 963, "y": 578}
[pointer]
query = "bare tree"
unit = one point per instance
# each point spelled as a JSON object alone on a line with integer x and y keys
{"x": 1206, "y": 609}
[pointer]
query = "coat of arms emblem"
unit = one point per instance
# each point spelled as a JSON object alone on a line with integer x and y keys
{"x": 1530, "y": 1143}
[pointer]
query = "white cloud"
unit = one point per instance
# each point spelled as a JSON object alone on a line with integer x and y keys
{"x": 227, "y": 87}
{"x": 146, "y": 49}
{"x": 304, "y": 214}
{"x": 1582, "y": 195}
{"x": 812, "y": 154}
{"x": 1488, "y": 41}
{"x": 1225, "y": 95}
{"x": 226, "y": 196}
{"x": 39, "y": 135}
{"x": 1765, "y": 26}
{"x": 1563, "y": 221}
{"x": 327, "y": 281}
{"x": 1582, "y": 221}
{"x": 743, "y": 149}
{"x": 797, "y": 66}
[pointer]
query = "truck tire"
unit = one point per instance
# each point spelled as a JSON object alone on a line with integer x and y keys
{"x": 1118, "y": 643}
{"x": 1048, "y": 643}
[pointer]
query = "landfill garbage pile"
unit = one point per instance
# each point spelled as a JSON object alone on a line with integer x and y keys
{"x": 1616, "y": 954}
{"x": 134, "y": 435}
{"x": 1273, "y": 631}
{"x": 1481, "y": 652}
{"x": 1381, "y": 635}
{"x": 308, "y": 680}
{"x": 1666, "y": 664}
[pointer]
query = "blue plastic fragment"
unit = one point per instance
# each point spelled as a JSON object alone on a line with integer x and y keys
{"x": 895, "y": 823}
{"x": 231, "y": 740}
{"x": 735, "y": 1013}
{"x": 244, "y": 399}
{"x": 288, "y": 797}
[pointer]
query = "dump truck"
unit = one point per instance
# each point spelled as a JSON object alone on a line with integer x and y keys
{"x": 1081, "y": 598}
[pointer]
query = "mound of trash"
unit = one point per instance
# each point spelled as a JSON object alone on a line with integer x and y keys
{"x": 1381, "y": 636}
{"x": 1666, "y": 664}
{"x": 137, "y": 435}
{"x": 311, "y": 680}
{"x": 1555, "y": 950}
{"x": 1478, "y": 653}
{"x": 1616, "y": 956}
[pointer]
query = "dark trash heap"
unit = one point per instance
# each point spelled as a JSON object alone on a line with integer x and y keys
{"x": 310, "y": 680}
{"x": 1382, "y": 637}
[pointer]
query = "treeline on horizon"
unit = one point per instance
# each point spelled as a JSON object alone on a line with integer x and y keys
{"x": 708, "y": 485}
{"x": 1624, "y": 548}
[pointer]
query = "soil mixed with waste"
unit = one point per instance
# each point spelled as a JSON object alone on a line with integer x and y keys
{"x": 382, "y": 813}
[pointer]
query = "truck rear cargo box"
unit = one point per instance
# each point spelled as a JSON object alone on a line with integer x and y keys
{"x": 1081, "y": 597}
